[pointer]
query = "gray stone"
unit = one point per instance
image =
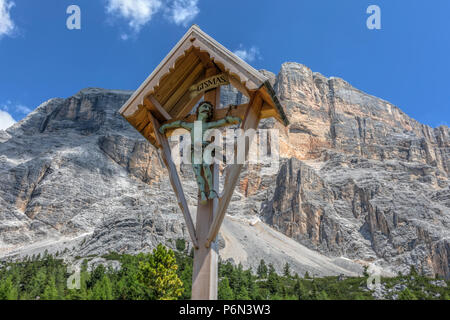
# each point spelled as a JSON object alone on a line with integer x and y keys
{"x": 360, "y": 182}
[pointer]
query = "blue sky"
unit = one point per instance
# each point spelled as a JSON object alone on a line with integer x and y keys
{"x": 122, "y": 41}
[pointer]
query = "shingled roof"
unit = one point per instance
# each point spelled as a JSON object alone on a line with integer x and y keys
{"x": 166, "y": 91}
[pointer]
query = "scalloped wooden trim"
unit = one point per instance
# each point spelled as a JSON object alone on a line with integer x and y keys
{"x": 195, "y": 37}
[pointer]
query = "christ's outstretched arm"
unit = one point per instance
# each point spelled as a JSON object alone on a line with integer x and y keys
{"x": 225, "y": 121}
{"x": 175, "y": 124}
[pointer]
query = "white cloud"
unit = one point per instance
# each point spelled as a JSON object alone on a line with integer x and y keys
{"x": 182, "y": 12}
{"x": 248, "y": 55}
{"x": 7, "y": 26}
{"x": 136, "y": 12}
{"x": 6, "y": 120}
{"x": 20, "y": 108}
{"x": 23, "y": 109}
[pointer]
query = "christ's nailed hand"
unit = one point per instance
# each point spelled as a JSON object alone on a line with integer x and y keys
{"x": 230, "y": 119}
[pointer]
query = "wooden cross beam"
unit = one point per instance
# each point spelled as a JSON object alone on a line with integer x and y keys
{"x": 155, "y": 107}
{"x": 234, "y": 111}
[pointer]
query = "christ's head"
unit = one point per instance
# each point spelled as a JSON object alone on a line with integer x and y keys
{"x": 205, "y": 111}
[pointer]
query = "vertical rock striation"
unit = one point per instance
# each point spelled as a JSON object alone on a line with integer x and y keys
{"x": 363, "y": 180}
{"x": 359, "y": 179}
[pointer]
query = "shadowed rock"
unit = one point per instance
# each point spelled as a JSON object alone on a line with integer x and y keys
{"x": 359, "y": 180}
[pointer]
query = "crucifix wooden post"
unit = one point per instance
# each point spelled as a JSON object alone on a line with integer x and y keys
{"x": 205, "y": 271}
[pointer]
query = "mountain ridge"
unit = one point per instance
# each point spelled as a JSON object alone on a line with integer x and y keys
{"x": 372, "y": 183}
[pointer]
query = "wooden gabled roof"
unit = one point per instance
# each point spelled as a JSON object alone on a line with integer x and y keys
{"x": 166, "y": 91}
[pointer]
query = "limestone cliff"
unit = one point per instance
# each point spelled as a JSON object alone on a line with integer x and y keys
{"x": 363, "y": 180}
{"x": 359, "y": 180}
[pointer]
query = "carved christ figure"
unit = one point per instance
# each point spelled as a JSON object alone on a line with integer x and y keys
{"x": 204, "y": 114}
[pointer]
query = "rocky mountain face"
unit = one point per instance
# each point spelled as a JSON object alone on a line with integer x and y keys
{"x": 360, "y": 182}
{"x": 363, "y": 180}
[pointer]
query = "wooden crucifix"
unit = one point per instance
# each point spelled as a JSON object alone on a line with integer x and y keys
{"x": 196, "y": 68}
{"x": 202, "y": 170}
{"x": 205, "y": 271}
{"x": 204, "y": 280}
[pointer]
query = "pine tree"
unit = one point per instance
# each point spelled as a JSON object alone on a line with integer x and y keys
{"x": 186, "y": 279}
{"x": 96, "y": 275}
{"x": 287, "y": 270}
{"x": 50, "y": 291}
{"x": 102, "y": 289}
{"x": 225, "y": 270}
{"x": 273, "y": 281}
{"x": 158, "y": 272}
{"x": 262, "y": 270}
{"x": 413, "y": 271}
{"x": 253, "y": 291}
{"x": 242, "y": 294}
{"x": 252, "y": 286}
{"x": 180, "y": 245}
{"x": 225, "y": 292}
{"x": 300, "y": 290}
{"x": 271, "y": 269}
{"x": 235, "y": 279}
{"x": 322, "y": 296}
{"x": 359, "y": 296}
{"x": 366, "y": 272}
{"x": 8, "y": 291}
{"x": 37, "y": 283}
{"x": 406, "y": 295}
{"x": 276, "y": 296}
{"x": 129, "y": 287}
